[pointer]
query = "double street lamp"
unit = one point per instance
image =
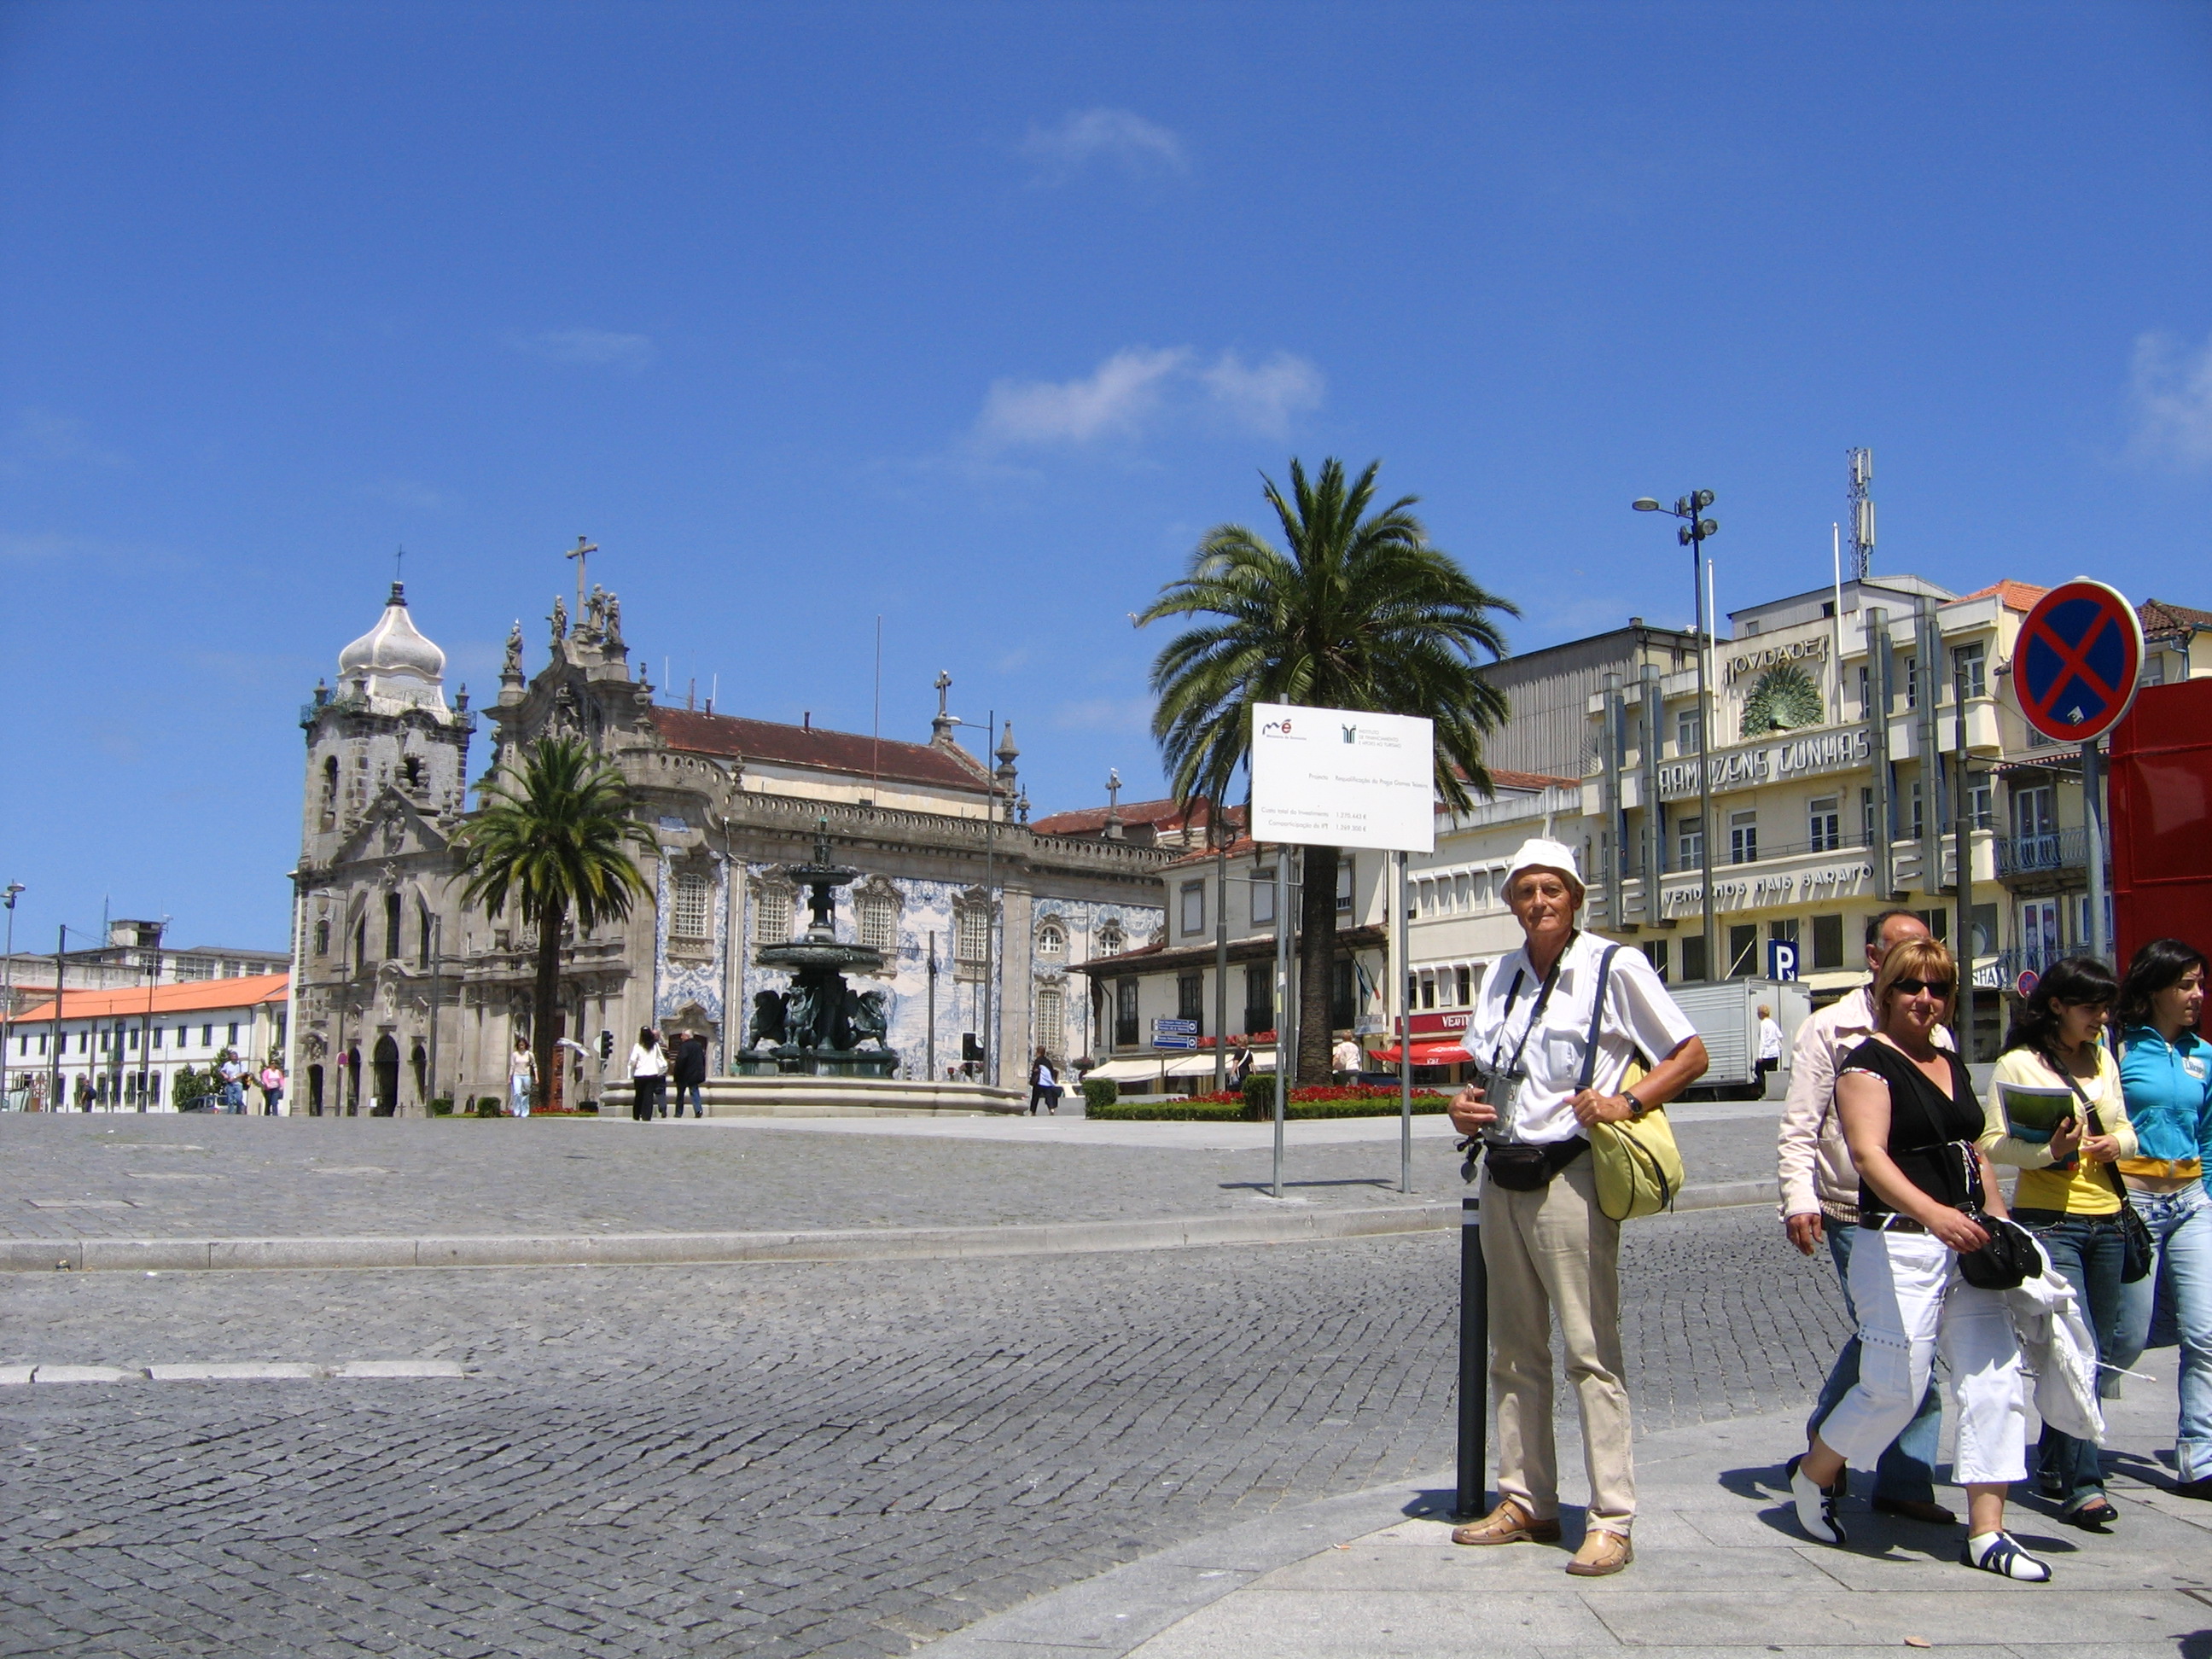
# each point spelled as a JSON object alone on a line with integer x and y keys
{"x": 1695, "y": 528}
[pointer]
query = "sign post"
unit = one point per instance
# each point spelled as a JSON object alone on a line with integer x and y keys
{"x": 2074, "y": 670}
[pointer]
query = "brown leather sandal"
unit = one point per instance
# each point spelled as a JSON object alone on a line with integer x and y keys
{"x": 1509, "y": 1523}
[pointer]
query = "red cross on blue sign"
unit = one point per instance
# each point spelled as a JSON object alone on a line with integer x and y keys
{"x": 2076, "y": 661}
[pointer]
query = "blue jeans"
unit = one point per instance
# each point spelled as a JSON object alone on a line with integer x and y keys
{"x": 1906, "y": 1471}
{"x": 689, "y": 1092}
{"x": 2180, "y": 1282}
{"x": 2088, "y": 1251}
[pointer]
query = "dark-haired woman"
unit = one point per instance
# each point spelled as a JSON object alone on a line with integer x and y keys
{"x": 648, "y": 1077}
{"x": 1910, "y": 1116}
{"x": 2069, "y": 1194}
{"x": 2166, "y": 1069}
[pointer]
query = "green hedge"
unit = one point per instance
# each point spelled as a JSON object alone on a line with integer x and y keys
{"x": 1098, "y": 1094}
{"x": 1215, "y": 1111}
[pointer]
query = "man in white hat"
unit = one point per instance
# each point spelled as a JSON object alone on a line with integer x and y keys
{"x": 1547, "y": 1246}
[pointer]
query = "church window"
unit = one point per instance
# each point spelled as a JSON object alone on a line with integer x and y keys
{"x": 974, "y": 936}
{"x": 322, "y": 938}
{"x": 360, "y": 942}
{"x": 422, "y": 941}
{"x": 772, "y": 916}
{"x": 410, "y": 769}
{"x": 878, "y": 916}
{"x": 1111, "y": 941}
{"x": 1051, "y": 1022}
{"x": 1051, "y": 941}
{"x": 689, "y": 917}
{"x": 330, "y": 784}
{"x": 391, "y": 925}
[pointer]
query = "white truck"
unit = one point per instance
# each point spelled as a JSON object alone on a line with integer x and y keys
{"x": 1726, "y": 1014}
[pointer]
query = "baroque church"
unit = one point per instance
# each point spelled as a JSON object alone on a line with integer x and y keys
{"x": 402, "y": 994}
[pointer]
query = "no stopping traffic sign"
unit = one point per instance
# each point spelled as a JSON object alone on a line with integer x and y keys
{"x": 2076, "y": 663}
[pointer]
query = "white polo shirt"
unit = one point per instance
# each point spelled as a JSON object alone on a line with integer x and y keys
{"x": 1638, "y": 1015}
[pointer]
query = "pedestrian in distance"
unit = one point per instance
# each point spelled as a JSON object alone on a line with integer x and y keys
{"x": 1912, "y": 1121}
{"x": 232, "y": 1071}
{"x": 648, "y": 1075}
{"x": 688, "y": 1071}
{"x": 1240, "y": 1068}
{"x": 2166, "y": 1074}
{"x": 2069, "y": 1194}
{"x": 1344, "y": 1059}
{"x": 1547, "y": 1247}
{"x": 1770, "y": 1048}
{"x": 1044, "y": 1085}
{"x": 521, "y": 1077}
{"x": 272, "y": 1089}
{"x": 1820, "y": 1202}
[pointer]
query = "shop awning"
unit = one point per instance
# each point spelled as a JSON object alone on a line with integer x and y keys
{"x": 1185, "y": 1062}
{"x": 1425, "y": 1053}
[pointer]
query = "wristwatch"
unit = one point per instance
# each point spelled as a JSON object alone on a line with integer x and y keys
{"x": 1636, "y": 1108}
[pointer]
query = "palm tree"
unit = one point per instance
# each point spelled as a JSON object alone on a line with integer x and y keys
{"x": 555, "y": 836}
{"x": 1361, "y": 612}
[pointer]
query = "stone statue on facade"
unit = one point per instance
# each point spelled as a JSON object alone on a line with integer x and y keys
{"x": 511, "y": 669}
{"x": 613, "y": 623}
{"x": 595, "y": 615}
{"x": 560, "y": 621}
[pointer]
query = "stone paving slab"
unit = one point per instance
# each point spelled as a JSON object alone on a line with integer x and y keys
{"x": 259, "y": 1179}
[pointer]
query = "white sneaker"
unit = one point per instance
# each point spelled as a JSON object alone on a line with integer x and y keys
{"x": 1996, "y": 1553}
{"x": 1816, "y": 1506}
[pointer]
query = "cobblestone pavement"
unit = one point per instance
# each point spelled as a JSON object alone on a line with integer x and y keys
{"x": 199, "y": 1176}
{"x": 825, "y": 1459}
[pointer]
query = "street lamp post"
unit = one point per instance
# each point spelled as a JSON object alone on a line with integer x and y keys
{"x": 7, "y": 993}
{"x": 1693, "y": 533}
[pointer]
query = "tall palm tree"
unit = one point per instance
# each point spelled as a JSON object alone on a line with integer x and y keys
{"x": 1360, "y": 612}
{"x": 556, "y": 836}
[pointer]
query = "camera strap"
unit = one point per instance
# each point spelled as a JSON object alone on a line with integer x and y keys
{"x": 1535, "y": 1014}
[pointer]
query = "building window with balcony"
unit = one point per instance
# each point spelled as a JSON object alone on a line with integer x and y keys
{"x": 1688, "y": 725}
{"x": 1194, "y": 907}
{"x": 1977, "y": 805}
{"x": 1970, "y": 663}
{"x": 1259, "y": 997}
{"x": 1694, "y": 958}
{"x": 772, "y": 915}
{"x": 1912, "y": 681}
{"x": 878, "y": 913}
{"x": 1125, "y": 1013}
{"x": 1344, "y": 869}
{"x": 1656, "y": 950}
{"x": 1915, "y": 812}
{"x": 1263, "y": 898}
{"x": 1051, "y": 941}
{"x": 1465, "y": 978}
{"x": 1342, "y": 1001}
{"x": 1690, "y": 843}
{"x": 1827, "y": 824}
{"x": 1190, "y": 999}
{"x": 1743, "y": 837}
{"x": 973, "y": 939}
{"x": 1866, "y": 818}
{"x": 1428, "y": 990}
{"x": 1482, "y": 890}
{"x": 1827, "y": 941}
{"x": 1111, "y": 940}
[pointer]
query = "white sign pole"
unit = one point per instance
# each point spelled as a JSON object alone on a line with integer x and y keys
{"x": 1282, "y": 1003}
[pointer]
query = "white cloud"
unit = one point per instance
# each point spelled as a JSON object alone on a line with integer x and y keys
{"x": 1139, "y": 386}
{"x": 592, "y": 348}
{"x": 1117, "y": 135}
{"x": 1264, "y": 396}
{"x": 2172, "y": 391}
{"x": 1116, "y": 399}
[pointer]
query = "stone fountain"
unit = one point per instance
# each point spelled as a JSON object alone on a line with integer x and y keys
{"x": 820, "y": 1027}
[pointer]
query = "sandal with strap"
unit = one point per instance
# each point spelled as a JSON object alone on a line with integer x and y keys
{"x": 2005, "y": 1558}
{"x": 2095, "y": 1511}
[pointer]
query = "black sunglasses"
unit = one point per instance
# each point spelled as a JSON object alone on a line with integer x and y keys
{"x": 1913, "y": 987}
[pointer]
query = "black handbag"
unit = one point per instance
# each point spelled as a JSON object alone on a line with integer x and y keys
{"x": 2012, "y": 1256}
{"x": 2134, "y": 1231}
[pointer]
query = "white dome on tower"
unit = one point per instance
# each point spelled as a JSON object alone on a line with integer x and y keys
{"x": 393, "y": 661}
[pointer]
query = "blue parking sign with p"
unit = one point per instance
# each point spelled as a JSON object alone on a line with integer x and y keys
{"x": 1781, "y": 958}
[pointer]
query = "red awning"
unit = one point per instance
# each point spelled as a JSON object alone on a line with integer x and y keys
{"x": 1427, "y": 1054}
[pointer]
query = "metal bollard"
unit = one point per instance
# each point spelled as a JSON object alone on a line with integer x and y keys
{"x": 1474, "y": 1364}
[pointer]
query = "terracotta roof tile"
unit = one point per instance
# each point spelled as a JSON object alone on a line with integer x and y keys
{"x": 2014, "y": 596}
{"x": 2159, "y": 617}
{"x": 851, "y": 752}
{"x": 1160, "y": 814}
{"x": 194, "y": 996}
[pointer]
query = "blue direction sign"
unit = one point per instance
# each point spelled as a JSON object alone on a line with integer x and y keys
{"x": 1174, "y": 1034}
{"x": 2076, "y": 661}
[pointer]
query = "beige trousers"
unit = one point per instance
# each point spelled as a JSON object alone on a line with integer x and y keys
{"x": 1553, "y": 1251}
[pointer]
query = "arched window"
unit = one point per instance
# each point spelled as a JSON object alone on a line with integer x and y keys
{"x": 878, "y": 918}
{"x": 322, "y": 938}
{"x": 1051, "y": 941}
{"x": 330, "y": 784}
{"x": 391, "y": 925}
{"x": 422, "y": 938}
{"x": 1111, "y": 942}
{"x": 410, "y": 770}
{"x": 688, "y": 919}
{"x": 772, "y": 915}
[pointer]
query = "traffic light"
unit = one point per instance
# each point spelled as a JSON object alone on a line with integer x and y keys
{"x": 606, "y": 1045}
{"x": 971, "y": 1046}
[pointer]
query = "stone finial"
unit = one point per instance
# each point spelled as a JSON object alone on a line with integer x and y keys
{"x": 1113, "y": 804}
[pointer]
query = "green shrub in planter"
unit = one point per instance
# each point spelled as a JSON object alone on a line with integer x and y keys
{"x": 1259, "y": 1096}
{"x": 442, "y": 1107}
{"x": 1098, "y": 1094}
{"x": 488, "y": 1106}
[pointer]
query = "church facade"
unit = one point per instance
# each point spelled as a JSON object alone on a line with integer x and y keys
{"x": 402, "y": 994}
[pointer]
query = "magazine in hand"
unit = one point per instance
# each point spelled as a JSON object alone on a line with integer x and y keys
{"x": 2034, "y": 1111}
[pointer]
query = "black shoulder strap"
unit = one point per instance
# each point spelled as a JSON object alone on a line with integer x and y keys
{"x": 1597, "y": 1017}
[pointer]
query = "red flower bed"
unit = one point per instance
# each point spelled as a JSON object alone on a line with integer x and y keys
{"x": 1324, "y": 1091}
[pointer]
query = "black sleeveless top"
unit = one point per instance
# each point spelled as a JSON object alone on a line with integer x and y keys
{"x": 1923, "y": 1125}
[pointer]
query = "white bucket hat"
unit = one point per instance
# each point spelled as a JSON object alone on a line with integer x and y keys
{"x": 1539, "y": 854}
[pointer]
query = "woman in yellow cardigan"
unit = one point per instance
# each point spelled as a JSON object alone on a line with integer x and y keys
{"x": 2069, "y": 1194}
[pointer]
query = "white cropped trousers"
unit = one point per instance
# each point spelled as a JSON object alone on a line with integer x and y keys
{"x": 1913, "y": 1305}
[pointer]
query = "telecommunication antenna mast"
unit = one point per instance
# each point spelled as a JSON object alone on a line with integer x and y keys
{"x": 1862, "y": 513}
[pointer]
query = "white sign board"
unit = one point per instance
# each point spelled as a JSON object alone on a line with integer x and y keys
{"x": 1338, "y": 777}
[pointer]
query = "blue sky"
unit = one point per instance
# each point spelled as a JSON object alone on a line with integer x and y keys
{"x": 976, "y": 316}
